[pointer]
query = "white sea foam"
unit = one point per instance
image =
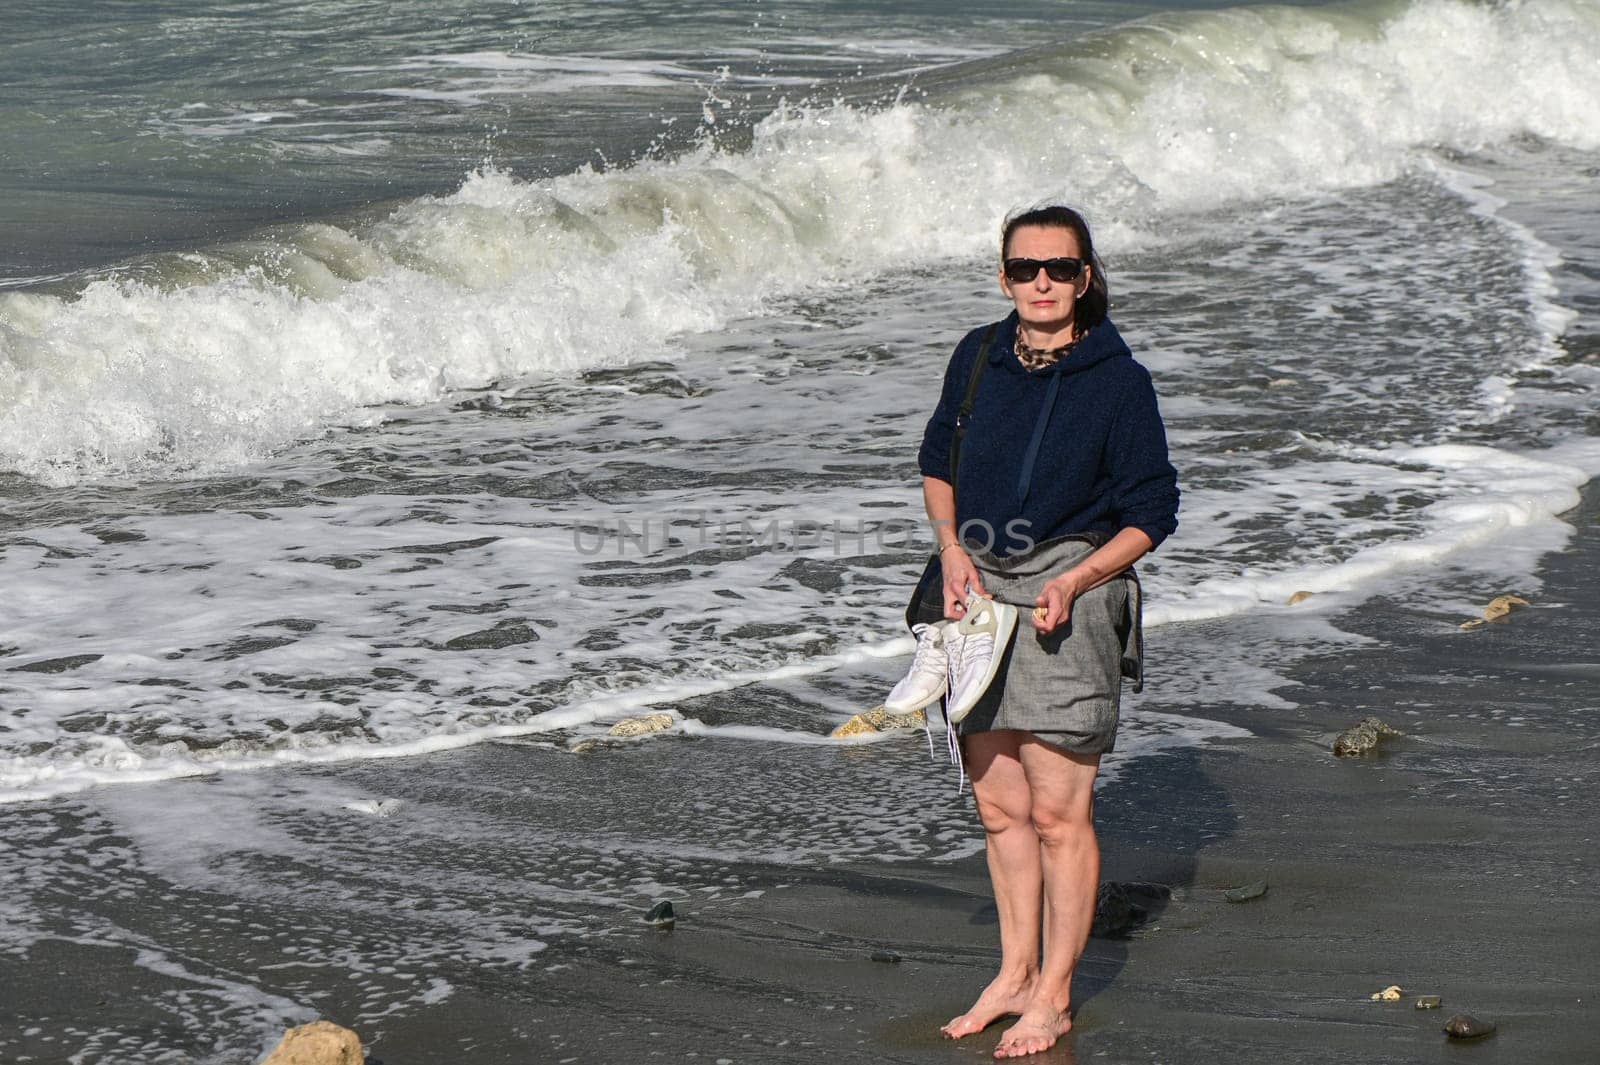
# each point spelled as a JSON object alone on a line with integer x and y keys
{"x": 1539, "y": 261}
{"x": 1484, "y": 494}
{"x": 178, "y": 611}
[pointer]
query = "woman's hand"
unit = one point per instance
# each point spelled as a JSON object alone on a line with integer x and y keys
{"x": 959, "y": 574}
{"x": 1054, "y": 605}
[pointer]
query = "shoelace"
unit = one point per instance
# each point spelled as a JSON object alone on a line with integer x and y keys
{"x": 953, "y": 742}
{"x": 927, "y": 642}
{"x": 956, "y": 649}
{"x": 927, "y": 645}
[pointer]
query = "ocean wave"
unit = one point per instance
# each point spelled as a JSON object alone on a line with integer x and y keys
{"x": 210, "y": 360}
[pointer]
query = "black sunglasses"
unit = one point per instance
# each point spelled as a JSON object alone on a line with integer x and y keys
{"x": 1021, "y": 271}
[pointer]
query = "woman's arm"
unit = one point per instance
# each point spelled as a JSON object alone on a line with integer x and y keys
{"x": 1116, "y": 555}
{"x": 959, "y": 572}
{"x": 1145, "y": 493}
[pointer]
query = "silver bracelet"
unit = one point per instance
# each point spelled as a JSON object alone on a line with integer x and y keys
{"x": 947, "y": 547}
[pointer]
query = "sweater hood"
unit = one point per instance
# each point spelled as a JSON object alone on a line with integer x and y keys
{"x": 1096, "y": 346}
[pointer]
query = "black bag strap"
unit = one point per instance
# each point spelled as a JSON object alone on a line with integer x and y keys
{"x": 964, "y": 414}
{"x": 1032, "y": 454}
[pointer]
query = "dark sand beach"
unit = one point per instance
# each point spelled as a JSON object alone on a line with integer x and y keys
{"x": 1460, "y": 863}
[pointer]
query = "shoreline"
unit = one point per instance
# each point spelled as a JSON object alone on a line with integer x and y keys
{"x": 1455, "y": 863}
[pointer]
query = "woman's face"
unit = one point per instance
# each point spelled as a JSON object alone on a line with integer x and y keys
{"x": 1042, "y": 303}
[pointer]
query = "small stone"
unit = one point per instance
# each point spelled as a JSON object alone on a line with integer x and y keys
{"x": 1117, "y": 909}
{"x": 1391, "y": 993}
{"x": 661, "y": 916}
{"x": 584, "y": 746}
{"x": 1151, "y": 893}
{"x": 1113, "y": 911}
{"x": 317, "y": 1043}
{"x": 640, "y": 726}
{"x": 856, "y": 726}
{"x": 1362, "y": 737}
{"x": 1501, "y": 605}
{"x": 879, "y": 719}
{"x": 1466, "y": 1026}
{"x": 1428, "y": 1002}
{"x": 1246, "y": 892}
{"x": 888, "y": 957}
{"x": 1300, "y": 597}
{"x": 1498, "y": 609}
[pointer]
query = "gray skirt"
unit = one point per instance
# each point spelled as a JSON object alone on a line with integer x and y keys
{"x": 1065, "y": 688}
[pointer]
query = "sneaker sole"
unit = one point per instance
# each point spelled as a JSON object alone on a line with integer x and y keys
{"x": 911, "y": 708}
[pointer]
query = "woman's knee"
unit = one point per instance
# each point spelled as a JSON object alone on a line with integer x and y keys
{"x": 1004, "y": 811}
{"x": 1060, "y": 826}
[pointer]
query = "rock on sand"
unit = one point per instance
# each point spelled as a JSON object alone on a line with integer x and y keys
{"x": 640, "y": 726}
{"x": 1497, "y": 610}
{"x": 1363, "y": 737}
{"x": 1246, "y": 892}
{"x": 1466, "y": 1026}
{"x": 317, "y": 1043}
{"x": 1121, "y": 907}
{"x": 879, "y": 719}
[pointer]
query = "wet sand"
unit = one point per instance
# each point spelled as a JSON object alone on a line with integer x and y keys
{"x": 1459, "y": 863}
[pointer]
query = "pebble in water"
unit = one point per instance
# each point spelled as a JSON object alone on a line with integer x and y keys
{"x": 1466, "y": 1026}
{"x": 879, "y": 719}
{"x": 317, "y": 1043}
{"x": 1498, "y": 609}
{"x": 887, "y": 956}
{"x": 661, "y": 916}
{"x": 1428, "y": 1002}
{"x": 639, "y": 726}
{"x": 1391, "y": 993}
{"x": 1362, "y": 737}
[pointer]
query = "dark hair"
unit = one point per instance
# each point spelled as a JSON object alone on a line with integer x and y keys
{"x": 1097, "y": 297}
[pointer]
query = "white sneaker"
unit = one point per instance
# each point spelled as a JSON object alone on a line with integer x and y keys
{"x": 975, "y": 645}
{"x": 929, "y": 676}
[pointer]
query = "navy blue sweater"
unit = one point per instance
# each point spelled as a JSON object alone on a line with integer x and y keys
{"x": 1101, "y": 462}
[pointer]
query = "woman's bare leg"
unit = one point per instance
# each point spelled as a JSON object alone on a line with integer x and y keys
{"x": 1061, "y": 789}
{"x": 1000, "y": 786}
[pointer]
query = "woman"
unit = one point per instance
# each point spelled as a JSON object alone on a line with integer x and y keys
{"x": 1063, "y": 484}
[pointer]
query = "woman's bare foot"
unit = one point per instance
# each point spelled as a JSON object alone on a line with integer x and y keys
{"x": 1001, "y": 998}
{"x": 1036, "y": 1030}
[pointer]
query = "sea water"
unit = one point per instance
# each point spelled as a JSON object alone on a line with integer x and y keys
{"x": 375, "y": 382}
{"x": 565, "y": 438}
